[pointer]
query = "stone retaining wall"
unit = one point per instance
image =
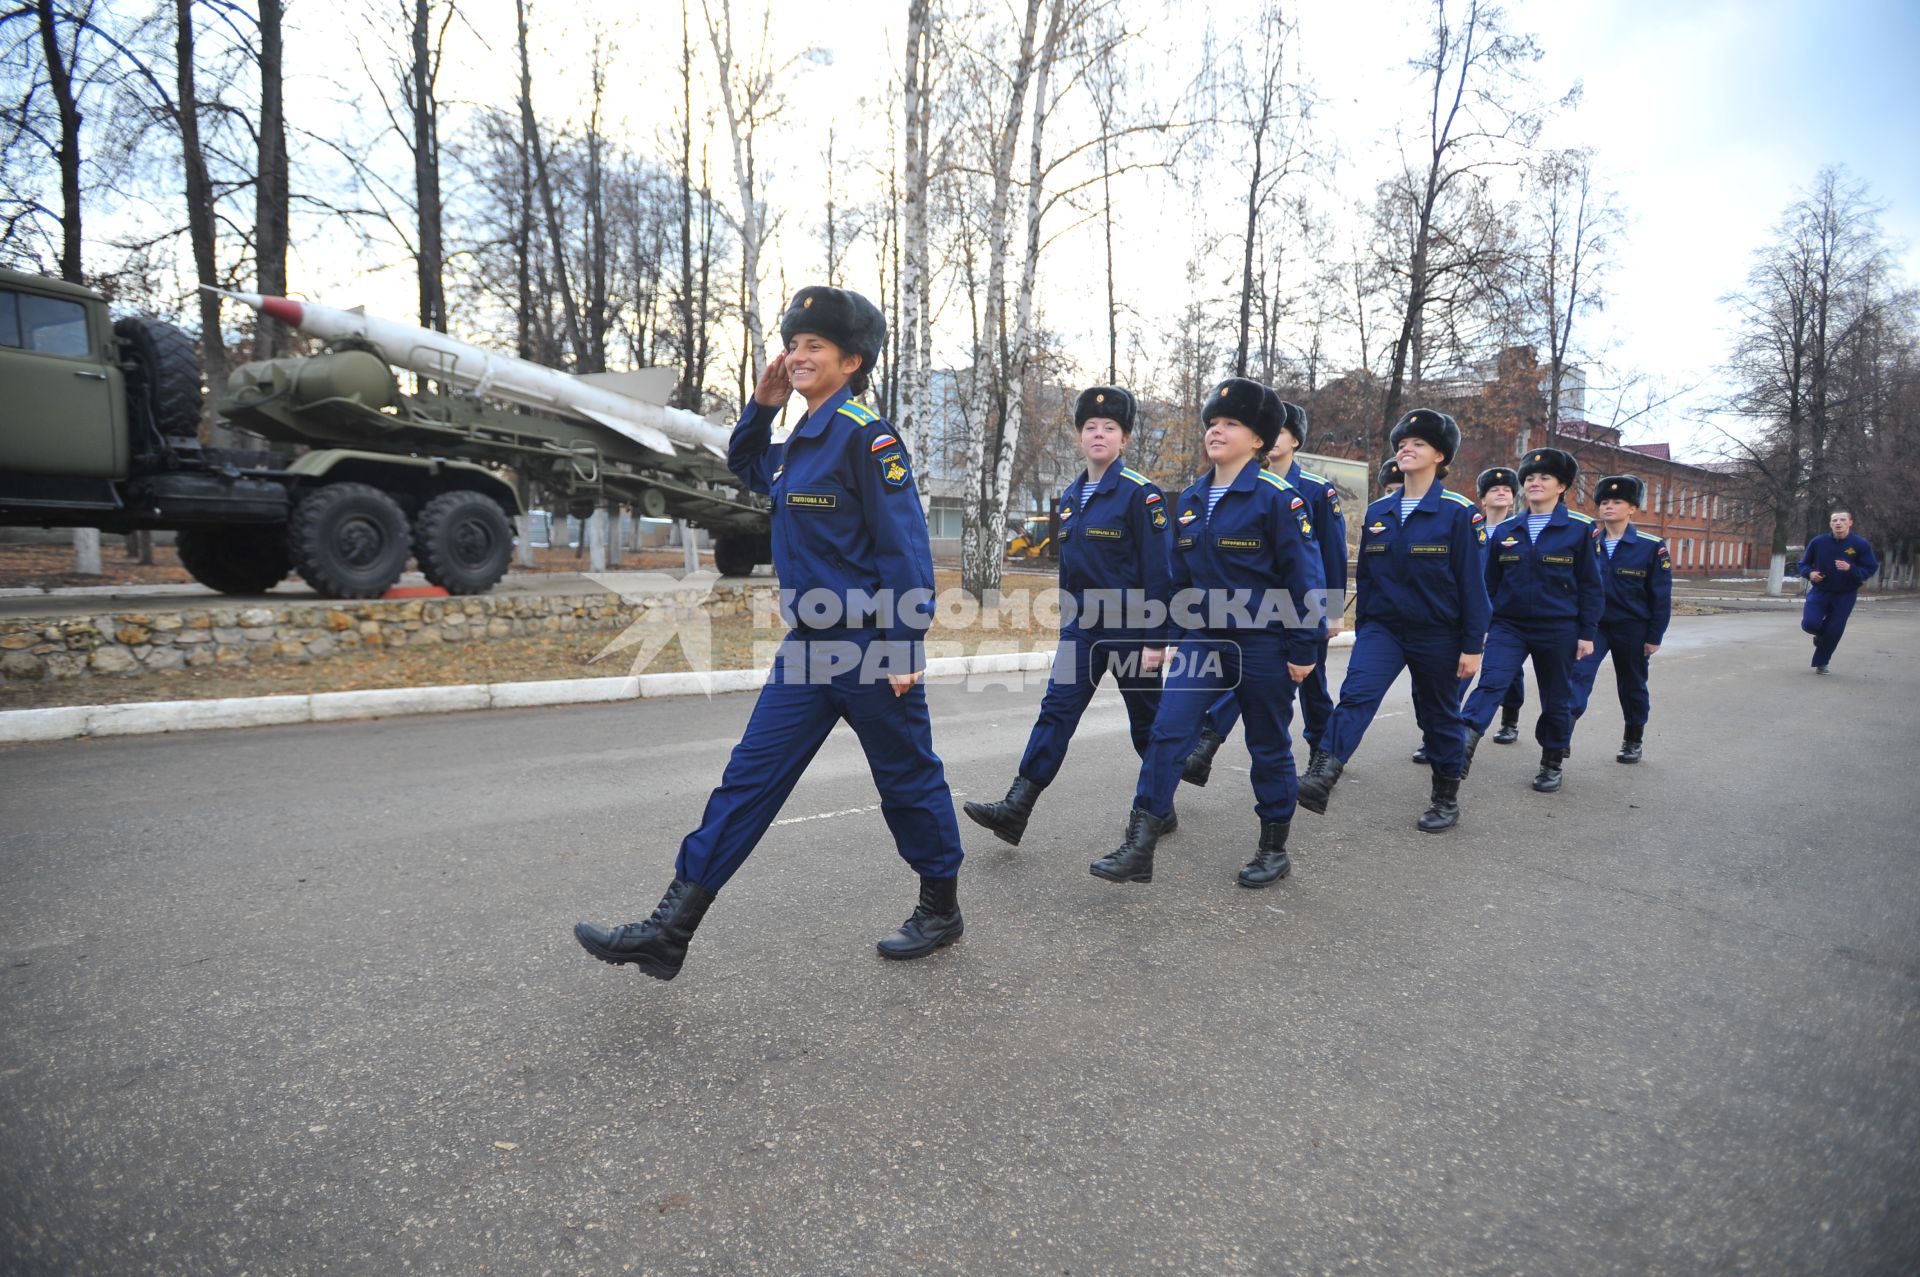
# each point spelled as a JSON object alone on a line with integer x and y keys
{"x": 133, "y": 642}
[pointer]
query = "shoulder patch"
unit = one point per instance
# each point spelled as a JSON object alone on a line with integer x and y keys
{"x": 893, "y": 467}
{"x": 859, "y": 412}
{"x": 1478, "y": 517}
{"x": 882, "y": 441}
{"x": 1134, "y": 475}
{"x": 1151, "y": 498}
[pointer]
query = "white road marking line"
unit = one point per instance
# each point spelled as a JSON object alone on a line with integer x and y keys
{"x": 850, "y": 811}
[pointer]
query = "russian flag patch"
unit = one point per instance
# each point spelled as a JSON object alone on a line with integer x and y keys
{"x": 882, "y": 442}
{"x": 1152, "y": 497}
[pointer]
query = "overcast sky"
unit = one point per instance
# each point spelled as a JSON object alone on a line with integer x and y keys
{"x": 1706, "y": 117}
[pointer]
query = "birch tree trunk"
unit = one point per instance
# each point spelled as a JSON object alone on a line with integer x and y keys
{"x": 911, "y": 355}
{"x": 985, "y": 521}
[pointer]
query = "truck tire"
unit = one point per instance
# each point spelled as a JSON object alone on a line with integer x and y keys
{"x": 738, "y": 555}
{"x": 463, "y": 542}
{"x": 237, "y": 560}
{"x": 169, "y": 370}
{"x": 348, "y": 541}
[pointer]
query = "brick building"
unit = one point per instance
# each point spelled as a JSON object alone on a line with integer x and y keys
{"x": 1702, "y": 511}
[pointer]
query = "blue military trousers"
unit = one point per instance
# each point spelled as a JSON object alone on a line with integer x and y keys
{"x": 1627, "y": 642}
{"x": 818, "y": 679}
{"x": 1825, "y": 617}
{"x": 1432, "y": 658}
{"x": 1251, "y": 666}
{"x": 1083, "y": 658}
{"x": 1550, "y": 645}
{"x": 1316, "y": 705}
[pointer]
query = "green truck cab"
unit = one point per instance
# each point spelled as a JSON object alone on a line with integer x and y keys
{"x": 100, "y": 427}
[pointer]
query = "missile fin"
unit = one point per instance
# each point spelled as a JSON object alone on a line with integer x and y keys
{"x": 648, "y": 385}
{"x": 646, "y": 436}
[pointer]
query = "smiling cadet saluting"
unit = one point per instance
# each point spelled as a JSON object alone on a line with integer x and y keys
{"x": 856, "y": 583}
{"x": 1114, "y": 538}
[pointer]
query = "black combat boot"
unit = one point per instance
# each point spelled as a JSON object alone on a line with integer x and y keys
{"x": 934, "y": 922}
{"x": 1444, "y": 813}
{"x": 1008, "y": 817}
{"x": 1509, "y": 727}
{"x": 1314, "y": 755}
{"x": 1548, "y": 781}
{"x": 1132, "y": 861}
{"x": 657, "y": 946}
{"x": 1630, "y": 747}
{"x": 1270, "y": 863}
{"x": 1420, "y": 755}
{"x": 1473, "y": 743}
{"x": 1317, "y": 782}
{"x": 1199, "y": 764}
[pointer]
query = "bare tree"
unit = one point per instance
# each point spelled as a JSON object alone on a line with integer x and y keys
{"x": 1473, "y": 69}
{"x": 272, "y": 195}
{"x": 1573, "y": 229}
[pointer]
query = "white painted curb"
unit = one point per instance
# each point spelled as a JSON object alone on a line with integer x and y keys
{"x": 69, "y": 721}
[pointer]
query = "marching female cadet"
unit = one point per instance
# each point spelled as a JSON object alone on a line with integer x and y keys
{"x": 1114, "y": 537}
{"x": 856, "y": 575}
{"x": 1543, "y": 575}
{"x": 1497, "y": 486}
{"x": 1639, "y": 579}
{"x": 1248, "y": 596}
{"x": 1330, "y": 529}
{"x": 1421, "y": 606}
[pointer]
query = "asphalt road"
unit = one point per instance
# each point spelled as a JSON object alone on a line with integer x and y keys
{"x": 305, "y": 999}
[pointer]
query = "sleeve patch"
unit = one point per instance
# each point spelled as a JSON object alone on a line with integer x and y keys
{"x": 883, "y": 441}
{"x": 1152, "y": 497}
{"x": 893, "y": 469}
{"x": 1160, "y": 517}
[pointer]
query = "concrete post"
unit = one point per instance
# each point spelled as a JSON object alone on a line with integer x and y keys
{"x": 86, "y": 551}
{"x": 596, "y": 535}
{"x": 690, "y": 539}
{"x": 523, "y": 540}
{"x": 616, "y": 540}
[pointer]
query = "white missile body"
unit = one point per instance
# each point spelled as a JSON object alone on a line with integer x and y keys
{"x": 628, "y": 403}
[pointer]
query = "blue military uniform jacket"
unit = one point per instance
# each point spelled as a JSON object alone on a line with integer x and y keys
{"x": 1823, "y": 552}
{"x": 846, "y": 515}
{"x": 1329, "y": 528}
{"x": 1639, "y": 579}
{"x": 1556, "y": 578}
{"x": 1425, "y": 573}
{"x": 1117, "y": 540}
{"x": 1258, "y": 540}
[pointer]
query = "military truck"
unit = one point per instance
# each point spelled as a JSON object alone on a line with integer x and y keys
{"x": 101, "y": 430}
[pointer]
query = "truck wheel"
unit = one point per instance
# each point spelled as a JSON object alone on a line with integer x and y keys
{"x": 234, "y": 560}
{"x": 169, "y": 368}
{"x": 463, "y": 542}
{"x": 348, "y": 541}
{"x": 738, "y": 555}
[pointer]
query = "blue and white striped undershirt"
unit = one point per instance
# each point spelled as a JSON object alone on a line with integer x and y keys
{"x": 1535, "y": 522}
{"x": 1407, "y": 504}
{"x": 1086, "y": 491}
{"x": 1612, "y": 543}
{"x": 1213, "y": 497}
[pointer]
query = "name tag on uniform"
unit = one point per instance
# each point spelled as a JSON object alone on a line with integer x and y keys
{"x": 1375, "y": 547}
{"x": 1509, "y": 558}
{"x": 1237, "y": 543}
{"x": 813, "y": 500}
{"x": 1428, "y": 549}
{"x": 1565, "y": 559}
{"x": 1184, "y": 543}
{"x": 1103, "y": 534}
{"x": 1629, "y": 571}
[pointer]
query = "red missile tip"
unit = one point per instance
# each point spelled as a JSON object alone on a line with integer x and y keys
{"x": 283, "y": 309}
